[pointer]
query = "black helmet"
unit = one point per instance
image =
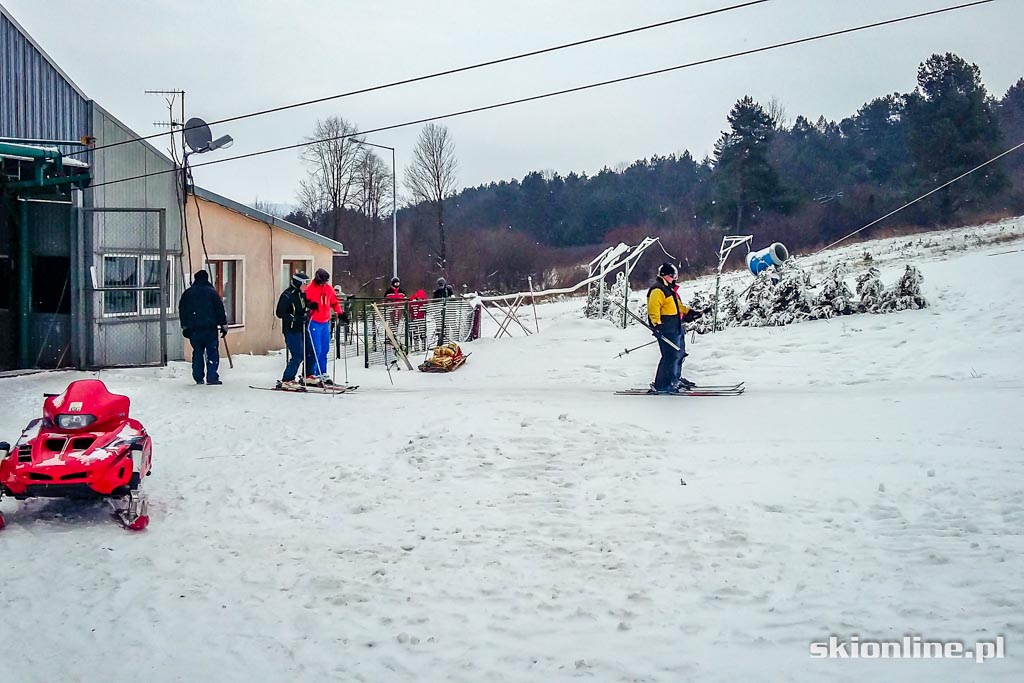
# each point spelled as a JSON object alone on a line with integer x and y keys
{"x": 395, "y": 282}
{"x": 322, "y": 276}
{"x": 668, "y": 269}
{"x": 299, "y": 279}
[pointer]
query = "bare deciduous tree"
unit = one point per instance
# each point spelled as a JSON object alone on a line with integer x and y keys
{"x": 372, "y": 186}
{"x": 431, "y": 177}
{"x": 332, "y": 159}
{"x": 372, "y": 196}
{"x": 267, "y": 207}
{"x": 777, "y": 113}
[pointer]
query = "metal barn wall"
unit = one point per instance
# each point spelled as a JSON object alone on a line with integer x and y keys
{"x": 39, "y": 100}
{"x": 112, "y": 338}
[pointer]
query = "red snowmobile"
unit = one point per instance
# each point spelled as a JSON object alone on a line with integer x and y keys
{"x": 84, "y": 446}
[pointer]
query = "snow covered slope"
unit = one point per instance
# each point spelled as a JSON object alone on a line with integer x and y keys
{"x": 515, "y": 521}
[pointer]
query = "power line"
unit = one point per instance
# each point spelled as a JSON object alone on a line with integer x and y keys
{"x": 926, "y": 194}
{"x": 449, "y": 72}
{"x": 556, "y": 93}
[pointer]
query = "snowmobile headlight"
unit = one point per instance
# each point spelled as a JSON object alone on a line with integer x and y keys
{"x": 76, "y": 421}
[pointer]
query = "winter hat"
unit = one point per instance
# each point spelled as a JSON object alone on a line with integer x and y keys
{"x": 322, "y": 276}
{"x": 441, "y": 282}
{"x": 201, "y": 276}
{"x": 300, "y": 279}
{"x": 668, "y": 269}
{"x": 338, "y": 291}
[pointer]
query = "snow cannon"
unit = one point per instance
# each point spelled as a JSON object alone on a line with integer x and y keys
{"x": 775, "y": 255}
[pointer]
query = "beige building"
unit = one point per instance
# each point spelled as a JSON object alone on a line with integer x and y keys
{"x": 251, "y": 256}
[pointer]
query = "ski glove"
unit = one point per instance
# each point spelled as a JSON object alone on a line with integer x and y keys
{"x": 223, "y": 332}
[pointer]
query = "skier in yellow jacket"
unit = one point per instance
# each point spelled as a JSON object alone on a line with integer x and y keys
{"x": 667, "y": 313}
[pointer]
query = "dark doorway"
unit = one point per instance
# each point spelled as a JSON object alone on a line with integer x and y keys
{"x": 51, "y": 284}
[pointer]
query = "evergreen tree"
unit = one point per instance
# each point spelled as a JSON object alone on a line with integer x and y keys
{"x": 952, "y": 128}
{"x": 745, "y": 181}
{"x": 876, "y": 136}
{"x": 1011, "y": 119}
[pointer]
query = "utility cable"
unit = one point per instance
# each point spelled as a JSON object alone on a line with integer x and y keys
{"x": 914, "y": 201}
{"x": 447, "y": 72}
{"x": 566, "y": 91}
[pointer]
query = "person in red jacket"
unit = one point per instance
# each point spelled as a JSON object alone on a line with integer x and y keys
{"x": 418, "y": 313}
{"x": 322, "y": 300}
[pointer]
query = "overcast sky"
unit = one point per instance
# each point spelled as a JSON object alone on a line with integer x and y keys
{"x": 237, "y": 56}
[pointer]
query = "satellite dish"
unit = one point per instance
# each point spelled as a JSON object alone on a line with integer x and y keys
{"x": 197, "y": 134}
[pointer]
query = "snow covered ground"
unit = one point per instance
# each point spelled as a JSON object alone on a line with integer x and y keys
{"x": 515, "y": 521}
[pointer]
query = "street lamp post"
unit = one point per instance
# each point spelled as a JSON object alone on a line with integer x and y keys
{"x": 394, "y": 210}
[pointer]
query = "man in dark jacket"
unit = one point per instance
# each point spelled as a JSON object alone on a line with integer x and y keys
{"x": 292, "y": 309}
{"x": 202, "y": 311}
{"x": 443, "y": 291}
{"x": 667, "y": 315}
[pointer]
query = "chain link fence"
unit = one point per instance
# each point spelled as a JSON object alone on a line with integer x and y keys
{"x": 133, "y": 285}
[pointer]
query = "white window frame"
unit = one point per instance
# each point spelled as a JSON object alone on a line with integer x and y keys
{"x": 170, "y": 285}
{"x": 140, "y": 299}
{"x": 307, "y": 258}
{"x": 239, "y": 280}
{"x": 103, "y": 283}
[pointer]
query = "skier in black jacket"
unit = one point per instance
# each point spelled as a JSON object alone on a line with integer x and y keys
{"x": 443, "y": 291}
{"x": 202, "y": 311}
{"x": 293, "y": 310}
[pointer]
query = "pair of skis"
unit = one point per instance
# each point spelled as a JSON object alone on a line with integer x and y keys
{"x": 695, "y": 390}
{"x": 312, "y": 389}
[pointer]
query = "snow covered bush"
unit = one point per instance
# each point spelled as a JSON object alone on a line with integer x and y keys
{"x": 777, "y": 297}
{"x": 906, "y": 293}
{"x": 786, "y": 295}
{"x": 701, "y": 301}
{"x": 870, "y": 289}
{"x": 616, "y": 293}
{"x": 833, "y": 297}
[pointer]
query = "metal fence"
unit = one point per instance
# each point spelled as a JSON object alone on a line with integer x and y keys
{"x": 132, "y": 281}
{"x": 417, "y": 325}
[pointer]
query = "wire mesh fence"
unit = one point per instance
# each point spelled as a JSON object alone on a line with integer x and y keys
{"x": 416, "y": 325}
{"x": 133, "y": 280}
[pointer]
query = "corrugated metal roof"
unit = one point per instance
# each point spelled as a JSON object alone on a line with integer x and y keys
{"x": 256, "y": 214}
{"x": 37, "y": 99}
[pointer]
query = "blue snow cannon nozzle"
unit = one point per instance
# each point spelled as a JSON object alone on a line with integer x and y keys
{"x": 759, "y": 261}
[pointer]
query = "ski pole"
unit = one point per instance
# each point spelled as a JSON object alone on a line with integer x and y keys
{"x": 643, "y": 322}
{"x": 231, "y": 363}
{"x": 635, "y": 348}
{"x": 316, "y": 355}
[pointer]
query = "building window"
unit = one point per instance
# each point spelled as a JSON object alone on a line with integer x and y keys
{"x": 132, "y": 272}
{"x": 290, "y": 266}
{"x": 226, "y": 277}
{"x": 151, "y": 278}
{"x": 120, "y": 271}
